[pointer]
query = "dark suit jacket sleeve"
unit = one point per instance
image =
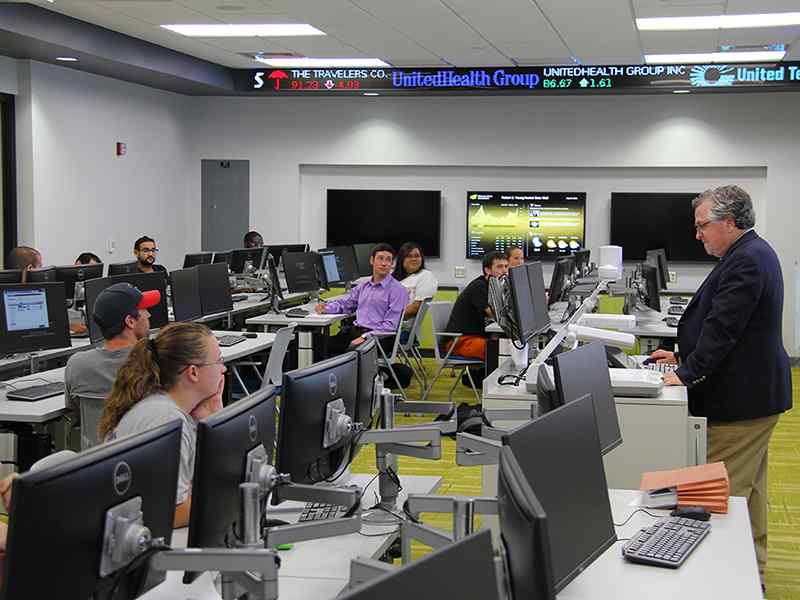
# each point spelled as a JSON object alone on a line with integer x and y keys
{"x": 736, "y": 297}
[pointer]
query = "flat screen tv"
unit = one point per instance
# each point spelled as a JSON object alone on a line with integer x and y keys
{"x": 391, "y": 216}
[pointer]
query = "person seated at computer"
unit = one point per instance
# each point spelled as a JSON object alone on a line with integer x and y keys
{"x": 472, "y": 309}
{"x": 87, "y": 258}
{"x": 378, "y": 304}
{"x": 24, "y": 258}
{"x": 515, "y": 256}
{"x": 253, "y": 239}
{"x": 421, "y": 284}
{"x": 121, "y": 311}
{"x": 179, "y": 374}
{"x": 146, "y": 251}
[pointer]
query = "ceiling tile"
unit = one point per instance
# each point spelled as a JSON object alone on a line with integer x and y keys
{"x": 674, "y": 42}
{"x": 156, "y": 13}
{"x": 678, "y": 8}
{"x": 749, "y": 7}
{"x": 759, "y": 36}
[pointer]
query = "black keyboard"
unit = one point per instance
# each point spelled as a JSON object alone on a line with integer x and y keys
{"x": 667, "y": 542}
{"x": 229, "y": 340}
{"x": 675, "y": 310}
{"x": 319, "y": 511}
{"x": 239, "y": 297}
{"x": 297, "y": 312}
{"x": 37, "y": 392}
{"x": 678, "y": 300}
{"x": 290, "y": 302}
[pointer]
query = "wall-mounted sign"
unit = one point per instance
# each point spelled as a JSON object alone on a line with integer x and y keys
{"x": 577, "y": 79}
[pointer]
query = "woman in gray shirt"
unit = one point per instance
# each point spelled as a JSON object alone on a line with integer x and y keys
{"x": 179, "y": 374}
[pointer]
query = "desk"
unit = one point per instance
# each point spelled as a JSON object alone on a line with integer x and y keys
{"x": 258, "y": 303}
{"x": 36, "y": 359}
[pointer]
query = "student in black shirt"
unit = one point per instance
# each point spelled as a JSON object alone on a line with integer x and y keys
{"x": 472, "y": 307}
{"x": 146, "y": 251}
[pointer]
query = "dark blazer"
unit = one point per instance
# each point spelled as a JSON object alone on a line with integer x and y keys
{"x": 730, "y": 337}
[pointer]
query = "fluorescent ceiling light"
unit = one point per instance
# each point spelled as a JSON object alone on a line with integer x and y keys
{"x": 718, "y": 22}
{"x": 714, "y": 57}
{"x": 66, "y": 58}
{"x": 313, "y": 63}
{"x": 371, "y": 94}
{"x": 245, "y": 30}
{"x": 680, "y": 91}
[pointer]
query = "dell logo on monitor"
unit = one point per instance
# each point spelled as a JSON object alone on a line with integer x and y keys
{"x": 123, "y": 477}
{"x": 333, "y": 384}
{"x": 253, "y": 428}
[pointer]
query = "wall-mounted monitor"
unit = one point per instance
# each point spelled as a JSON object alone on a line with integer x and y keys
{"x": 642, "y": 221}
{"x": 391, "y": 216}
{"x": 546, "y": 225}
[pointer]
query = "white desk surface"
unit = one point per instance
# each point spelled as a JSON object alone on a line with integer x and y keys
{"x": 253, "y": 302}
{"x": 310, "y": 320}
{"x": 52, "y": 408}
{"x": 20, "y": 360}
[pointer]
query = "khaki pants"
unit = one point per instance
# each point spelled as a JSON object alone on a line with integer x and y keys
{"x": 742, "y": 446}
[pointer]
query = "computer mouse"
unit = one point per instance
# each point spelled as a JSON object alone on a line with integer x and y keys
{"x": 671, "y": 321}
{"x": 649, "y": 360}
{"x": 697, "y": 513}
{"x": 250, "y": 334}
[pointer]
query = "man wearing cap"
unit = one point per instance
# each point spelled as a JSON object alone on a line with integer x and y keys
{"x": 121, "y": 312}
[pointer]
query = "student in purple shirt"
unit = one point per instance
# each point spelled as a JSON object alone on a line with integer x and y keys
{"x": 378, "y": 304}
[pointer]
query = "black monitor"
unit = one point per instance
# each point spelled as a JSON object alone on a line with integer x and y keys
{"x": 584, "y": 370}
{"x": 10, "y": 276}
{"x": 363, "y": 253}
{"x": 222, "y": 257}
{"x": 70, "y": 275}
{"x": 246, "y": 260}
{"x": 303, "y": 272}
{"x": 58, "y": 514}
{"x": 530, "y": 313}
{"x": 186, "y": 305}
{"x": 658, "y": 258}
{"x": 581, "y": 262}
{"x": 215, "y": 288}
{"x": 651, "y": 286}
{"x": 339, "y": 263}
{"x": 559, "y": 283}
{"x": 223, "y": 441}
{"x": 33, "y": 317}
{"x": 123, "y": 268}
{"x": 538, "y": 294}
{"x": 306, "y": 395}
{"x": 159, "y": 316}
{"x": 277, "y": 250}
{"x": 43, "y": 275}
{"x": 274, "y": 280}
{"x": 199, "y": 258}
{"x": 463, "y": 569}
{"x": 559, "y": 454}
{"x": 523, "y": 529}
{"x": 370, "y": 383}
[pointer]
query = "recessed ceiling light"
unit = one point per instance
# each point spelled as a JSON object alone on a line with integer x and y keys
{"x": 312, "y": 63}
{"x": 66, "y": 58}
{"x": 718, "y": 22}
{"x": 714, "y": 57}
{"x": 230, "y": 7}
{"x": 371, "y": 94}
{"x": 680, "y": 91}
{"x": 246, "y": 30}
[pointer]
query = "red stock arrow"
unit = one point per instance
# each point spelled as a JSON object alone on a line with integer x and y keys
{"x": 277, "y": 76}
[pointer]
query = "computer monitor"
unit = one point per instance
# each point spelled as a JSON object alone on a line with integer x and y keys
{"x": 43, "y": 275}
{"x": 651, "y": 287}
{"x": 277, "y": 250}
{"x": 370, "y": 383}
{"x": 581, "y": 262}
{"x": 33, "y": 317}
{"x": 199, "y": 258}
{"x": 530, "y": 318}
{"x": 559, "y": 454}
{"x": 584, "y": 370}
{"x": 363, "y": 253}
{"x": 223, "y": 441}
{"x": 559, "y": 283}
{"x": 222, "y": 257}
{"x": 303, "y": 272}
{"x": 306, "y": 396}
{"x": 524, "y": 532}
{"x": 159, "y": 316}
{"x": 215, "y": 288}
{"x": 463, "y": 569}
{"x": 123, "y": 268}
{"x": 186, "y": 305}
{"x": 247, "y": 260}
{"x": 274, "y": 280}
{"x": 658, "y": 258}
{"x": 339, "y": 263}
{"x": 10, "y": 276}
{"x": 70, "y": 275}
{"x": 538, "y": 294}
{"x": 58, "y": 514}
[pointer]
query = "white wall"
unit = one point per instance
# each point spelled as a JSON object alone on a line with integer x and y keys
{"x": 8, "y": 76}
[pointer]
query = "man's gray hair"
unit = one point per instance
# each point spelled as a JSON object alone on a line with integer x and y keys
{"x": 729, "y": 201}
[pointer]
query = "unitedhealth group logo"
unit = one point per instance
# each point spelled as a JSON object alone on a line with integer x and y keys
{"x": 473, "y": 78}
{"x": 712, "y": 76}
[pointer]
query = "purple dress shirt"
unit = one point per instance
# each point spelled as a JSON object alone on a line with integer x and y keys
{"x": 378, "y": 306}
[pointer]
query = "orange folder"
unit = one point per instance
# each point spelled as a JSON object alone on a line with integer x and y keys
{"x": 703, "y": 485}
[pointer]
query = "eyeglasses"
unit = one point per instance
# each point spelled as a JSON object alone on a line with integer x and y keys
{"x": 149, "y": 250}
{"x": 700, "y": 227}
{"x": 219, "y": 361}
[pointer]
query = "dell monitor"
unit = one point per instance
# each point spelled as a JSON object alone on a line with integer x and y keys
{"x": 10, "y": 276}
{"x": 370, "y": 383}
{"x": 363, "y": 253}
{"x": 306, "y": 396}
{"x": 303, "y": 272}
{"x": 538, "y": 295}
{"x": 559, "y": 455}
{"x": 222, "y": 257}
{"x": 530, "y": 312}
{"x": 560, "y": 282}
{"x": 215, "y": 288}
{"x": 125, "y": 268}
{"x": 462, "y": 569}
{"x": 58, "y": 514}
{"x": 584, "y": 370}
{"x": 73, "y": 274}
{"x": 43, "y": 275}
{"x": 246, "y": 260}
{"x": 658, "y": 258}
{"x": 185, "y": 285}
{"x": 224, "y": 440}
{"x": 274, "y": 280}
{"x": 159, "y": 315}
{"x": 651, "y": 287}
{"x": 524, "y": 532}
{"x": 199, "y": 258}
{"x": 33, "y": 317}
{"x": 277, "y": 250}
{"x": 339, "y": 263}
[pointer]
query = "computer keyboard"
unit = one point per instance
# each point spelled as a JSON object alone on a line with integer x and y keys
{"x": 37, "y": 392}
{"x": 660, "y": 367}
{"x": 319, "y": 511}
{"x": 667, "y": 542}
{"x": 671, "y": 321}
{"x": 297, "y": 312}
{"x": 675, "y": 310}
{"x": 678, "y": 300}
{"x": 229, "y": 340}
{"x": 239, "y": 297}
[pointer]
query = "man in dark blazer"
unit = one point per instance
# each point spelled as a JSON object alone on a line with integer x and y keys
{"x": 730, "y": 348}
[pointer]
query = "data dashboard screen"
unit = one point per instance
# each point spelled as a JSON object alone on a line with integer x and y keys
{"x": 546, "y": 225}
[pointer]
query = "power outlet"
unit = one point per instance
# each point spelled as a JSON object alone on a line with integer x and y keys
{"x": 112, "y": 245}
{"x": 673, "y": 277}
{"x": 459, "y": 272}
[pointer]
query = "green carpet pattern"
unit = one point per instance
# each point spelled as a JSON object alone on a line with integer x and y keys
{"x": 783, "y": 568}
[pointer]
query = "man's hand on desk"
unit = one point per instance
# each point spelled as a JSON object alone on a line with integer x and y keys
{"x": 319, "y": 308}
{"x": 358, "y": 341}
{"x": 664, "y": 356}
{"x": 670, "y": 378}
